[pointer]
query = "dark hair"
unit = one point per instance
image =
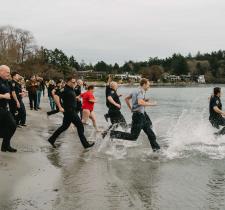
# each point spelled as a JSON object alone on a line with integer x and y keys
{"x": 91, "y": 87}
{"x": 58, "y": 82}
{"x": 144, "y": 81}
{"x": 69, "y": 78}
{"x": 216, "y": 90}
{"x": 14, "y": 73}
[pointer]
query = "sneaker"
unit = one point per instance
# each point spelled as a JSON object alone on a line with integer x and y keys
{"x": 104, "y": 134}
{"x": 24, "y": 125}
{"x": 90, "y": 145}
{"x": 19, "y": 126}
{"x": 52, "y": 143}
{"x": 106, "y": 117}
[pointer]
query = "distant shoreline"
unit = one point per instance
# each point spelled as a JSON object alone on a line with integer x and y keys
{"x": 103, "y": 84}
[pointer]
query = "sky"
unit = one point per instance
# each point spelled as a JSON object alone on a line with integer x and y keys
{"x": 120, "y": 30}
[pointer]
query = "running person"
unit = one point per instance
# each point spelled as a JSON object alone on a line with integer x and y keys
{"x": 68, "y": 108}
{"x": 140, "y": 119}
{"x": 215, "y": 111}
{"x": 88, "y": 106}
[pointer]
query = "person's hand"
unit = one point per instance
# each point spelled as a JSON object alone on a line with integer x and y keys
{"x": 18, "y": 104}
{"x": 6, "y": 96}
{"x": 153, "y": 103}
{"x": 118, "y": 106}
{"x": 61, "y": 109}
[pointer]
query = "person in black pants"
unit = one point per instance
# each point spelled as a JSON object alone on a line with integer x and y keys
{"x": 32, "y": 86}
{"x": 215, "y": 111}
{"x": 54, "y": 92}
{"x": 7, "y": 123}
{"x": 68, "y": 108}
{"x": 17, "y": 94}
{"x": 140, "y": 119}
{"x": 114, "y": 105}
{"x": 78, "y": 92}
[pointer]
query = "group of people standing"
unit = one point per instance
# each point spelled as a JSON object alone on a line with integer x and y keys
{"x": 77, "y": 107}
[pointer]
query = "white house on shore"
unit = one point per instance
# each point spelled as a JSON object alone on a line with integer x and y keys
{"x": 201, "y": 79}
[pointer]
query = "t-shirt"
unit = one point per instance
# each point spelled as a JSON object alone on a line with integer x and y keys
{"x": 87, "y": 96}
{"x": 137, "y": 94}
{"x": 115, "y": 97}
{"x": 68, "y": 98}
{"x": 17, "y": 88}
{"x": 214, "y": 101}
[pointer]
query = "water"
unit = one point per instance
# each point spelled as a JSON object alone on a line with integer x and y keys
{"x": 188, "y": 174}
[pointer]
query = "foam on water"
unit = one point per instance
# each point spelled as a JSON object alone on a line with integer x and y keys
{"x": 193, "y": 134}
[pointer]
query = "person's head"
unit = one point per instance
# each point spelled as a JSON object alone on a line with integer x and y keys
{"x": 4, "y": 72}
{"x": 145, "y": 84}
{"x": 15, "y": 76}
{"x": 33, "y": 78}
{"x": 217, "y": 91}
{"x": 80, "y": 82}
{"x": 58, "y": 83}
{"x": 71, "y": 82}
{"x": 51, "y": 82}
{"x": 113, "y": 85}
{"x": 91, "y": 88}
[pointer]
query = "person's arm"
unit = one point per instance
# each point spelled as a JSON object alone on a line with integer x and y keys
{"x": 16, "y": 99}
{"x": 127, "y": 100}
{"x": 57, "y": 101}
{"x": 217, "y": 110}
{"x": 109, "y": 80}
{"x": 113, "y": 102}
{"x": 142, "y": 102}
{"x": 5, "y": 96}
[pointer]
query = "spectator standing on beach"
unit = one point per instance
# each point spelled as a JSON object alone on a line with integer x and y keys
{"x": 32, "y": 86}
{"x": 51, "y": 87}
{"x": 17, "y": 97}
{"x": 78, "y": 92}
{"x": 39, "y": 90}
{"x": 7, "y": 122}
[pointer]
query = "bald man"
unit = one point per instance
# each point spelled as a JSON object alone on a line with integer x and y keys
{"x": 7, "y": 122}
{"x": 114, "y": 105}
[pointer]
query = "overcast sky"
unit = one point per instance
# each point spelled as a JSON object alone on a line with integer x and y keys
{"x": 120, "y": 30}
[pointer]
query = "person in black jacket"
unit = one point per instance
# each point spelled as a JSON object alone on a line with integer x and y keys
{"x": 68, "y": 108}
{"x": 7, "y": 122}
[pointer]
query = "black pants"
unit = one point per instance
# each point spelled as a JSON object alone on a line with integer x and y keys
{"x": 217, "y": 122}
{"x": 79, "y": 109}
{"x": 116, "y": 119}
{"x": 21, "y": 116}
{"x": 140, "y": 122}
{"x": 53, "y": 112}
{"x": 33, "y": 100}
{"x": 71, "y": 117}
{"x": 7, "y": 127}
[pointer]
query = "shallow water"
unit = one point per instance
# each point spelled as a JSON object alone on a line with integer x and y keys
{"x": 188, "y": 174}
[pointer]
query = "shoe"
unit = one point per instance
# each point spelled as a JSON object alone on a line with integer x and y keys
{"x": 31, "y": 108}
{"x": 90, "y": 145}
{"x": 156, "y": 150}
{"x": 52, "y": 143}
{"x": 106, "y": 118}
{"x": 104, "y": 134}
{"x": 19, "y": 126}
{"x": 24, "y": 125}
{"x": 39, "y": 108}
{"x": 9, "y": 149}
{"x": 36, "y": 109}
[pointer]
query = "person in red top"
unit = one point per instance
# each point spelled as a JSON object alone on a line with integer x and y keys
{"x": 89, "y": 101}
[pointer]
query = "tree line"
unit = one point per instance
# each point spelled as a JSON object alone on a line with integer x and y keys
{"x": 18, "y": 49}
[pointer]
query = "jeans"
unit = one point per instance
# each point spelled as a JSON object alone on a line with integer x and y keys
{"x": 52, "y": 103}
{"x": 38, "y": 98}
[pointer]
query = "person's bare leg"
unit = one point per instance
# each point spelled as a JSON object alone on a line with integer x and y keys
{"x": 85, "y": 116}
{"x": 93, "y": 118}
